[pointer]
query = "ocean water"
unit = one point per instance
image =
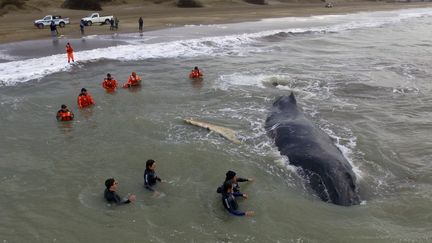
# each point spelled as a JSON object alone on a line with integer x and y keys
{"x": 364, "y": 78}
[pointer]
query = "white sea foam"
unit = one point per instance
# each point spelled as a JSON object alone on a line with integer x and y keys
{"x": 4, "y": 56}
{"x": 18, "y": 71}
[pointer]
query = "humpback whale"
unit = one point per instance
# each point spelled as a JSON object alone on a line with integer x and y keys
{"x": 325, "y": 168}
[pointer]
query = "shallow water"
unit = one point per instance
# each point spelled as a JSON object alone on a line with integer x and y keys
{"x": 363, "y": 78}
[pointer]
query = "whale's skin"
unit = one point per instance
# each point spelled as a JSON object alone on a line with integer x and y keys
{"x": 329, "y": 173}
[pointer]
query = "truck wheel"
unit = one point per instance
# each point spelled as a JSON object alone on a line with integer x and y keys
{"x": 107, "y": 21}
{"x": 62, "y": 24}
{"x": 89, "y": 23}
{"x": 40, "y": 26}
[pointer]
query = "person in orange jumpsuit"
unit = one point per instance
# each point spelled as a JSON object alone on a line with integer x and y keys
{"x": 69, "y": 51}
{"x": 64, "y": 114}
{"x": 84, "y": 99}
{"x": 133, "y": 80}
{"x": 196, "y": 73}
{"x": 109, "y": 83}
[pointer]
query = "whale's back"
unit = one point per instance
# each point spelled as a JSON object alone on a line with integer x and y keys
{"x": 308, "y": 147}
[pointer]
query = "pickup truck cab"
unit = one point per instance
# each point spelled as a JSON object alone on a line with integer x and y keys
{"x": 46, "y": 21}
{"x": 96, "y": 18}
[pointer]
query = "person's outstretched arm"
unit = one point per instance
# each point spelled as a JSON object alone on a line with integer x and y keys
{"x": 242, "y": 179}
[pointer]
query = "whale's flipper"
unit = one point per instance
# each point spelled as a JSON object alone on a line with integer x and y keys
{"x": 225, "y": 132}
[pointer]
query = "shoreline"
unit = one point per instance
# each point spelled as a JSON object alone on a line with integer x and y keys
{"x": 18, "y": 26}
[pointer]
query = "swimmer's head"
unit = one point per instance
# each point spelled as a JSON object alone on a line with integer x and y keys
{"x": 149, "y": 164}
{"x": 230, "y": 175}
{"x": 227, "y": 186}
{"x": 109, "y": 183}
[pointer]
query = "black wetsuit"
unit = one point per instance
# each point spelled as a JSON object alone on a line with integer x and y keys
{"x": 140, "y": 23}
{"x": 150, "y": 179}
{"x": 236, "y": 187}
{"x": 82, "y": 26}
{"x": 113, "y": 197}
{"x": 53, "y": 27}
{"x": 229, "y": 202}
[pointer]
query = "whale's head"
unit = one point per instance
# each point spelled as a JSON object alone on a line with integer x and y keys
{"x": 286, "y": 103}
{"x": 284, "y": 110}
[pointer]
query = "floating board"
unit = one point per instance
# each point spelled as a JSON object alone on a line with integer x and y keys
{"x": 225, "y": 132}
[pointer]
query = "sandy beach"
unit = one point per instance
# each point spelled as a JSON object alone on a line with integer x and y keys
{"x": 18, "y": 25}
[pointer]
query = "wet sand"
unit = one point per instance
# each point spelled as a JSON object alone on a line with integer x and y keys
{"x": 18, "y": 26}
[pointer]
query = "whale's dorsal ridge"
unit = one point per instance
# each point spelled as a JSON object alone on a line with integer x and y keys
{"x": 292, "y": 98}
{"x": 285, "y": 101}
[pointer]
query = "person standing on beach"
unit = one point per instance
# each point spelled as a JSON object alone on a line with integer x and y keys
{"x": 112, "y": 24}
{"x": 53, "y": 28}
{"x": 82, "y": 27}
{"x": 140, "y": 24}
{"x": 116, "y": 23}
{"x": 69, "y": 51}
{"x": 111, "y": 195}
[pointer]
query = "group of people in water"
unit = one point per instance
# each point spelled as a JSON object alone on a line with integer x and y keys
{"x": 85, "y": 99}
{"x": 109, "y": 84}
{"x": 229, "y": 190}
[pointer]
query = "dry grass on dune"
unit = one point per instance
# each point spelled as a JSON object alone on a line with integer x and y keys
{"x": 40, "y": 5}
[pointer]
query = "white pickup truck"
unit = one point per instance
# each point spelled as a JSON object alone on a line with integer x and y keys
{"x": 95, "y": 18}
{"x": 46, "y": 21}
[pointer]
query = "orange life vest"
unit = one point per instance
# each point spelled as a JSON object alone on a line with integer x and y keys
{"x": 85, "y": 100}
{"x": 195, "y": 74}
{"x": 109, "y": 84}
{"x": 69, "y": 49}
{"x": 133, "y": 81}
{"x": 65, "y": 115}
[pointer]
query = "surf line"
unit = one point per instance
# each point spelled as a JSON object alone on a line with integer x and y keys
{"x": 223, "y": 131}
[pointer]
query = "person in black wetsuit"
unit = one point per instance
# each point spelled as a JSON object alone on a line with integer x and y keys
{"x": 231, "y": 176}
{"x": 150, "y": 177}
{"x": 53, "y": 28}
{"x": 140, "y": 24}
{"x": 111, "y": 195}
{"x": 229, "y": 201}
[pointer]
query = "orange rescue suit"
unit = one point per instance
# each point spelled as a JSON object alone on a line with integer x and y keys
{"x": 85, "y": 100}
{"x": 69, "y": 51}
{"x": 133, "y": 81}
{"x": 195, "y": 74}
{"x": 65, "y": 115}
{"x": 109, "y": 84}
